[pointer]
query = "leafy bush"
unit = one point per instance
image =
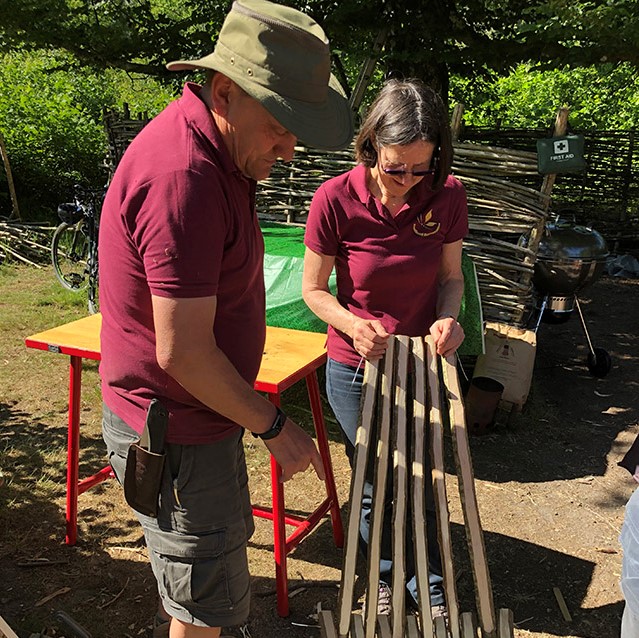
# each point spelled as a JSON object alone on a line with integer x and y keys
{"x": 604, "y": 97}
{"x": 51, "y": 121}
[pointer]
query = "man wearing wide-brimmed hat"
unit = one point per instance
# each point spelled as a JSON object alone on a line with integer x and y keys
{"x": 183, "y": 302}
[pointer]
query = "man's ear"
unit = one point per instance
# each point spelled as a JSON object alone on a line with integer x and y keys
{"x": 221, "y": 93}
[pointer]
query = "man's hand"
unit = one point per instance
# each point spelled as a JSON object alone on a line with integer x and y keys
{"x": 370, "y": 339}
{"x": 448, "y": 335}
{"x": 295, "y": 450}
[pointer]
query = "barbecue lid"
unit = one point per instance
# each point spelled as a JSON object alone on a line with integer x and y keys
{"x": 564, "y": 240}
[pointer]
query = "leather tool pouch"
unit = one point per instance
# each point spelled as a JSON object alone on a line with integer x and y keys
{"x": 142, "y": 480}
{"x": 145, "y": 463}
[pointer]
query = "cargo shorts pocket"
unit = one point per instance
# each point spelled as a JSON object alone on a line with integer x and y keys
{"x": 192, "y": 570}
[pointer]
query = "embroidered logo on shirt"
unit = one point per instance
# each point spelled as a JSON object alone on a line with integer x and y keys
{"x": 424, "y": 226}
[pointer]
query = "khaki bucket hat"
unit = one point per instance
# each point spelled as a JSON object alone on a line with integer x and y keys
{"x": 281, "y": 57}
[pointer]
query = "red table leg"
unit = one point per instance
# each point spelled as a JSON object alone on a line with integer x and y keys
{"x": 279, "y": 530}
{"x": 322, "y": 443}
{"x": 75, "y": 487}
{"x": 302, "y": 525}
{"x": 73, "y": 448}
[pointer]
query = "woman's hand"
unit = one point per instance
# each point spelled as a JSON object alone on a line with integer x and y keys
{"x": 447, "y": 334}
{"x": 370, "y": 339}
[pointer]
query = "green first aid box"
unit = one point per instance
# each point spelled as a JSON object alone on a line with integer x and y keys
{"x": 563, "y": 154}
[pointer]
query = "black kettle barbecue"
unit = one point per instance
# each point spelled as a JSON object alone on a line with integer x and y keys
{"x": 570, "y": 258}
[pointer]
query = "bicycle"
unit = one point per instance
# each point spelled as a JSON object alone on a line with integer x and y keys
{"x": 74, "y": 246}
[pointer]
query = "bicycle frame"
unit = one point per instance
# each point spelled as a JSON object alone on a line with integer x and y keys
{"x": 74, "y": 246}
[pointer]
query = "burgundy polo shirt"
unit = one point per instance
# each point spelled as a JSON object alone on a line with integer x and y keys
{"x": 178, "y": 221}
{"x": 386, "y": 267}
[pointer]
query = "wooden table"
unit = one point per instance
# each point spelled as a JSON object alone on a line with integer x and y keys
{"x": 289, "y": 357}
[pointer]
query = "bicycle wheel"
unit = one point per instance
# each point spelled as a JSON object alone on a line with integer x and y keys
{"x": 69, "y": 252}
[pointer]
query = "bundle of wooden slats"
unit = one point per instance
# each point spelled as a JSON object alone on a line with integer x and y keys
{"x": 436, "y": 401}
{"x": 121, "y": 128}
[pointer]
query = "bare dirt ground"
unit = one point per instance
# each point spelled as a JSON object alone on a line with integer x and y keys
{"x": 550, "y": 493}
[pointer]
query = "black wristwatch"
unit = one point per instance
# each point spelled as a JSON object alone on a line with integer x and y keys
{"x": 275, "y": 429}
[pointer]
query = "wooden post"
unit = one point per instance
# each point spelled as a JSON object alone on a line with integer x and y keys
{"x": 456, "y": 122}
{"x": 12, "y": 190}
{"x": 560, "y": 128}
{"x": 367, "y": 71}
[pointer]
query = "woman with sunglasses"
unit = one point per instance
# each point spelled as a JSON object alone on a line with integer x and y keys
{"x": 392, "y": 227}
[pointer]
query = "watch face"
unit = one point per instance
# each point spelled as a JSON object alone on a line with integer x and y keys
{"x": 275, "y": 429}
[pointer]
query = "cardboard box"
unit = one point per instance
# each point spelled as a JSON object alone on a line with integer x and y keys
{"x": 509, "y": 359}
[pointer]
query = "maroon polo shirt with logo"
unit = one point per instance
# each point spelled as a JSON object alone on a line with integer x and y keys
{"x": 386, "y": 267}
{"x": 178, "y": 221}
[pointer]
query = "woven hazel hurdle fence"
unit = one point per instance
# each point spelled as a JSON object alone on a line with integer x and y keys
{"x": 436, "y": 400}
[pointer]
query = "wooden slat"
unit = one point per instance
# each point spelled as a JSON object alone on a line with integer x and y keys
{"x": 400, "y": 486}
{"x": 506, "y": 624}
{"x": 468, "y": 625}
{"x": 562, "y": 604}
{"x": 362, "y": 441}
{"x": 327, "y": 627}
{"x": 420, "y": 402}
{"x": 357, "y": 626}
{"x": 412, "y": 628}
{"x": 439, "y": 487}
{"x": 384, "y": 627}
{"x": 379, "y": 490}
{"x": 468, "y": 497}
{"x": 441, "y": 631}
{"x": 5, "y": 630}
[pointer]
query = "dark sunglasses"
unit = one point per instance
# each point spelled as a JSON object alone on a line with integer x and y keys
{"x": 401, "y": 172}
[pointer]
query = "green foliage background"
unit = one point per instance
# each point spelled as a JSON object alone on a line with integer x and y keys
{"x": 51, "y": 113}
{"x": 51, "y": 121}
{"x": 605, "y": 97}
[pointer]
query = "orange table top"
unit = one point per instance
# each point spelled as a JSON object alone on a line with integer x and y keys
{"x": 289, "y": 355}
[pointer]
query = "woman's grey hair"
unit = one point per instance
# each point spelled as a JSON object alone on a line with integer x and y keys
{"x": 407, "y": 111}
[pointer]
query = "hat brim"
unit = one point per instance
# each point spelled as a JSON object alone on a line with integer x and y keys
{"x": 327, "y": 125}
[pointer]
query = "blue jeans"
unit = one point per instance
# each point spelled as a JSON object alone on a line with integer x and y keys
{"x": 344, "y": 389}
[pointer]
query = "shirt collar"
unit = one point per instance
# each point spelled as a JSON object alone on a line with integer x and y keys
{"x": 200, "y": 118}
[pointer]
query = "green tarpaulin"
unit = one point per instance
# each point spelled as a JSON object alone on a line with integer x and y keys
{"x": 285, "y": 308}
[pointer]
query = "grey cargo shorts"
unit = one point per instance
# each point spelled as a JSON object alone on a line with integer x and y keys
{"x": 197, "y": 544}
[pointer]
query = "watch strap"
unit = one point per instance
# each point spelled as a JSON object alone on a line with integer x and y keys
{"x": 275, "y": 429}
